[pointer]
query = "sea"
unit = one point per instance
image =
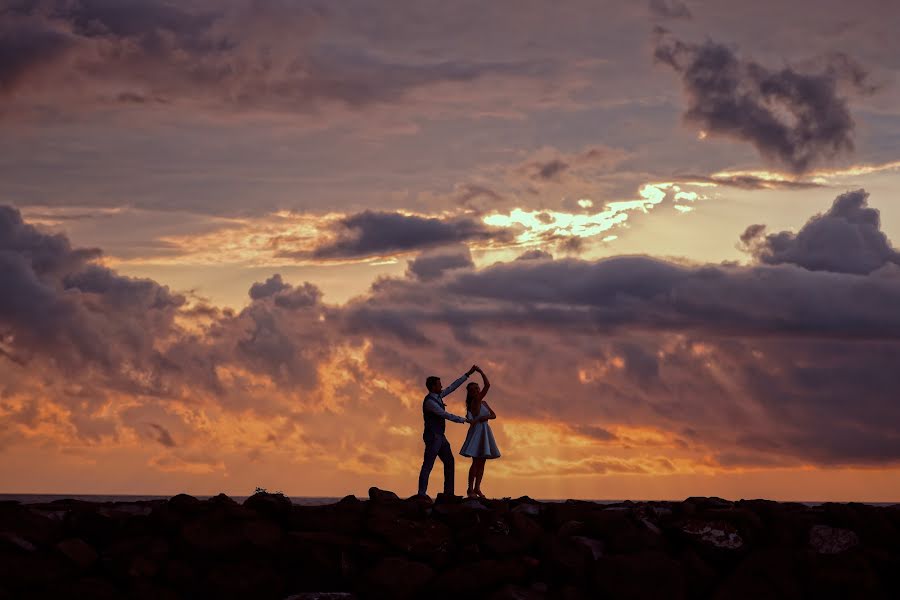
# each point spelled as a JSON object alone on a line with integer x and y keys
{"x": 298, "y": 500}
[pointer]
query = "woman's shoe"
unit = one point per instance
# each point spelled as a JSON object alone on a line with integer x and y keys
{"x": 479, "y": 494}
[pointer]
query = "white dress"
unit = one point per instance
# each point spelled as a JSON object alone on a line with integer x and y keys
{"x": 480, "y": 439}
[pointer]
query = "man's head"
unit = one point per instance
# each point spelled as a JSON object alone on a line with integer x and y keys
{"x": 433, "y": 383}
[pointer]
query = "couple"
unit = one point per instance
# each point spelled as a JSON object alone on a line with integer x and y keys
{"x": 479, "y": 444}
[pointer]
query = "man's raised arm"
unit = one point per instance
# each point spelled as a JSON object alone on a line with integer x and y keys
{"x": 449, "y": 389}
{"x": 433, "y": 406}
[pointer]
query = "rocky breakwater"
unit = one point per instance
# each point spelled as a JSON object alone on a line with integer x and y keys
{"x": 387, "y": 547}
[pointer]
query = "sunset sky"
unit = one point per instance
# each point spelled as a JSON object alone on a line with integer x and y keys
{"x": 237, "y": 235}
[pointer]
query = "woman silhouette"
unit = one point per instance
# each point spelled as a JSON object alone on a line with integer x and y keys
{"x": 479, "y": 444}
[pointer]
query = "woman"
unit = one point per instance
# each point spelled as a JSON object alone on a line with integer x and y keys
{"x": 479, "y": 444}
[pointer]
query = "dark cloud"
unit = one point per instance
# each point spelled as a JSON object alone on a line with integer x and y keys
{"x": 284, "y": 294}
{"x": 669, "y": 9}
{"x": 242, "y": 54}
{"x": 373, "y": 233}
{"x": 26, "y": 48}
{"x": 551, "y": 165}
{"x": 777, "y": 362}
{"x": 535, "y": 254}
{"x": 797, "y": 119}
{"x": 433, "y": 265}
{"x": 162, "y": 435}
{"x": 270, "y": 287}
{"x": 65, "y": 301}
{"x": 845, "y": 239}
{"x": 595, "y": 432}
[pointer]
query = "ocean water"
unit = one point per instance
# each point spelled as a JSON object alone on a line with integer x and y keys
{"x": 299, "y": 500}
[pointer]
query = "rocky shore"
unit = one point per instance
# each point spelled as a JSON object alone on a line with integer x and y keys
{"x": 387, "y": 547}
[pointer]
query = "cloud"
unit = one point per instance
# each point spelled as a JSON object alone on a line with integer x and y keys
{"x": 162, "y": 435}
{"x": 372, "y": 233}
{"x": 240, "y": 55}
{"x": 284, "y": 294}
{"x": 751, "y": 182}
{"x": 637, "y": 358}
{"x": 551, "y": 165}
{"x": 845, "y": 239}
{"x": 432, "y": 265}
{"x": 26, "y": 48}
{"x": 535, "y": 255}
{"x": 669, "y": 9}
{"x": 794, "y": 118}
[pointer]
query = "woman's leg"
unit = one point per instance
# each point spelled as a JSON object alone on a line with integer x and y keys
{"x": 472, "y": 471}
{"x": 479, "y": 474}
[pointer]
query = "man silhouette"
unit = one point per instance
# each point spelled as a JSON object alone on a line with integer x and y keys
{"x": 436, "y": 445}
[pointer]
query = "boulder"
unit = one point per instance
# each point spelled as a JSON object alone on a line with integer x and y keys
{"x": 244, "y": 579}
{"x": 518, "y": 592}
{"x": 766, "y": 573}
{"x": 262, "y": 533}
{"x": 478, "y": 578}
{"x": 377, "y": 495}
{"x": 397, "y": 578}
{"x": 277, "y": 507}
{"x": 532, "y": 510}
{"x": 79, "y": 552}
{"x": 831, "y": 540}
{"x": 638, "y": 576}
{"x": 715, "y": 534}
{"x": 416, "y": 538}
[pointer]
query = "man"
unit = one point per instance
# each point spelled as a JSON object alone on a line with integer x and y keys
{"x": 436, "y": 445}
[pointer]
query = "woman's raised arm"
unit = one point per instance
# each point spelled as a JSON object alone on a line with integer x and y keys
{"x": 487, "y": 384}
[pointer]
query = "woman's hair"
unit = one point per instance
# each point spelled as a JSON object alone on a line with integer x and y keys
{"x": 471, "y": 396}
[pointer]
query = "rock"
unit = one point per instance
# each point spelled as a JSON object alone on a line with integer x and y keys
{"x": 377, "y": 495}
{"x": 527, "y": 509}
{"x": 527, "y": 529}
{"x": 568, "y": 558}
{"x": 277, "y": 507}
{"x": 141, "y": 556}
{"x": 479, "y": 577}
{"x": 770, "y": 573}
{"x": 322, "y": 596}
{"x": 831, "y": 540}
{"x": 443, "y": 498}
{"x": 517, "y": 592}
{"x": 344, "y": 517}
{"x": 595, "y": 546}
{"x": 651, "y": 527}
{"x": 705, "y": 503}
{"x": 244, "y": 579}
{"x": 184, "y": 501}
{"x": 570, "y": 528}
{"x": 397, "y": 578}
{"x": 222, "y": 500}
{"x": 94, "y": 588}
{"x": 321, "y": 560}
{"x": 637, "y": 576}
{"x": 717, "y": 534}
{"x": 473, "y": 504}
{"x": 262, "y": 533}
{"x": 30, "y": 525}
{"x": 416, "y": 538}
{"x": 13, "y": 540}
{"x": 79, "y": 552}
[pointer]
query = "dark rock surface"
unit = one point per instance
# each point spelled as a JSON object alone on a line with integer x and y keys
{"x": 387, "y": 547}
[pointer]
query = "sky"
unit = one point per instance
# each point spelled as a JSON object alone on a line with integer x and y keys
{"x": 237, "y": 235}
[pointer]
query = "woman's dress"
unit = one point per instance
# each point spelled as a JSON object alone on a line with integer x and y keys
{"x": 480, "y": 439}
